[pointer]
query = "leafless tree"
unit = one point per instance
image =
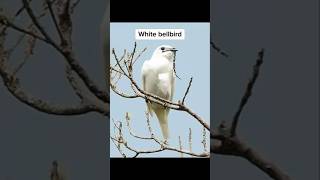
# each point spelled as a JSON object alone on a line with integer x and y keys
{"x": 224, "y": 139}
{"x": 91, "y": 97}
{"x": 124, "y": 68}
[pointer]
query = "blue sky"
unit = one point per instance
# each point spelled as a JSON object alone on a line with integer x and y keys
{"x": 192, "y": 60}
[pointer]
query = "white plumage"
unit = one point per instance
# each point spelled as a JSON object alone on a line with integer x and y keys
{"x": 158, "y": 78}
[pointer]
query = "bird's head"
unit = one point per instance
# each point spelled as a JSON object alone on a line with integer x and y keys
{"x": 165, "y": 51}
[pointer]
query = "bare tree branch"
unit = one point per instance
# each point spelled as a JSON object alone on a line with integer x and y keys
{"x": 131, "y": 132}
{"x": 180, "y": 146}
{"x": 124, "y": 67}
{"x": 74, "y": 83}
{"x": 13, "y": 85}
{"x": 6, "y": 22}
{"x": 218, "y": 49}
{"x": 64, "y": 29}
{"x": 65, "y": 26}
{"x": 35, "y": 20}
{"x": 225, "y": 141}
{"x": 187, "y": 91}
{"x": 74, "y": 5}
{"x": 11, "y": 81}
{"x": 235, "y": 147}
{"x": 190, "y": 140}
{"x": 162, "y": 145}
{"x": 248, "y": 92}
{"x": 119, "y": 149}
{"x": 54, "y": 19}
{"x": 139, "y": 93}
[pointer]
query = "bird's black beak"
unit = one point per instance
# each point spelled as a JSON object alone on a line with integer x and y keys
{"x": 174, "y": 49}
{"x": 170, "y": 49}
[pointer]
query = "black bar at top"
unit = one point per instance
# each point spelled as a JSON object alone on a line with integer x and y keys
{"x": 159, "y": 11}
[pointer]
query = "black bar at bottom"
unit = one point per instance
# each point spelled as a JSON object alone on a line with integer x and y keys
{"x": 159, "y": 168}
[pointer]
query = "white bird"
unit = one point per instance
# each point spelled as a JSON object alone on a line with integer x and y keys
{"x": 158, "y": 78}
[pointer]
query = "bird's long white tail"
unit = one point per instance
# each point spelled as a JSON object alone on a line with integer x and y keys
{"x": 162, "y": 114}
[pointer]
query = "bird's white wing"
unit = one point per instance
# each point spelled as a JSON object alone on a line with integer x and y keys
{"x": 144, "y": 72}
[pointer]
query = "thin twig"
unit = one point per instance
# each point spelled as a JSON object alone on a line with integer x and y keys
{"x": 248, "y": 92}
{"x": 18, "y": 42}
{"x": 190, "y": 140}
{"x": 163, "y": 147}
{"x": 35, "y": 20}
{"x": 73, "y": 6}
{"x": 187, "y": 91}
{"x": 119, "y": 149}
{"x": 114, "y": 89}
{"x": 139, "y": 55}
{"x": 219, "y": 50}
{"x": 5, "y": 21}
{"x": 180, "y": 146}
{"x": 130, "y": 129}
{"x": 204, "y": 140}
{"x": 174, "y": 65}
{"x": 131, "y": 59}
{"x": 53, "y": 17}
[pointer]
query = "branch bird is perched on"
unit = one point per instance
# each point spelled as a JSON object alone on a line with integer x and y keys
{"x": 158, "y": 78}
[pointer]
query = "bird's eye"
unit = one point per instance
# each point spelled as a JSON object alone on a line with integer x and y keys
{"x": 162, "y": 48}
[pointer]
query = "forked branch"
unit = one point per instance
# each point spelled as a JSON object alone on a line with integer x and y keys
{"x": 60, "y": 14}
{"x": 124, "y": 66}
{"x": 163, "y": 146}
{"x": 225, "y": 140}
